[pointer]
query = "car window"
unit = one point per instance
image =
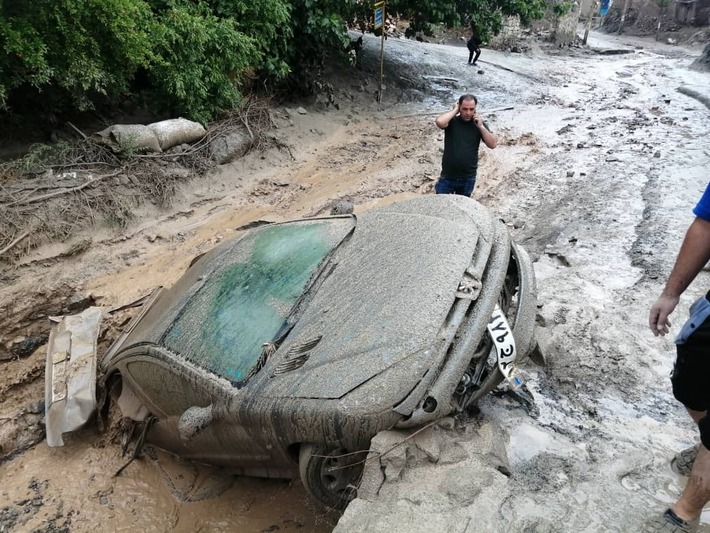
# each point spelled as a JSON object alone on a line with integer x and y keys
{"x": 249, "y": 293}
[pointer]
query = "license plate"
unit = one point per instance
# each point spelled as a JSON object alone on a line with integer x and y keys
{"x": 504, "y": 342}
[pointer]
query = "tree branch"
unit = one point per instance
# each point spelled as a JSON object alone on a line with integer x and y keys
{"x": 14, "y": 243}
{"x": 59, "y": 193}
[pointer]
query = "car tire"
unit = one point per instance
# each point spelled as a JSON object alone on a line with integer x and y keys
{"x": 330, "y": 475}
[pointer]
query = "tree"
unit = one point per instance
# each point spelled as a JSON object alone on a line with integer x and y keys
{"x": 185, "y": 57}
{"x": 319, "y": 28}
{"x": 485, "y": 15}
{"x": 71, "y": 51}
{"x": 190, "y": 57}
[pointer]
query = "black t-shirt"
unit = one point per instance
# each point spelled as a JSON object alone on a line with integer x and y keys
{"x": 474, "y": 42}
{"x": 461, "y": 142}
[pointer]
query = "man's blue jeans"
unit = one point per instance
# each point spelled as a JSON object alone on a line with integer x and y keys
{"x": 462, "y": 186}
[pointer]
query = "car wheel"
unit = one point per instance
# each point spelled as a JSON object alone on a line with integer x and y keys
{"x": 331, "y": 475}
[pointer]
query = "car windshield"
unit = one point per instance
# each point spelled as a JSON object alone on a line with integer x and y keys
{"x": 247, "y": 297}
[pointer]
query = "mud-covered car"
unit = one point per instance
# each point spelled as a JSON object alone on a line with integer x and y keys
{"x": 289, "y": 347}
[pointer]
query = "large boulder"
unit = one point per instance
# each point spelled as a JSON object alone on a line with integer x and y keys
{"x": 230, "y": 146}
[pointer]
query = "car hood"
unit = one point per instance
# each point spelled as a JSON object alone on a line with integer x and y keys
{"x": 387, "y": 297}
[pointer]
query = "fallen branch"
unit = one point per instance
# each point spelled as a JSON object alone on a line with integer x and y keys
{"x": 14, "y": 243}
{"x": 59, "y": 193}
{"x": 246, "y": 125}
{"x": 72, "y": 126}
{"x": 441, "y": 78}
{"x": 381, "y": 454}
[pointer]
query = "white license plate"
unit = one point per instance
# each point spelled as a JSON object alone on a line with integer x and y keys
{"x": 502, "y": 335}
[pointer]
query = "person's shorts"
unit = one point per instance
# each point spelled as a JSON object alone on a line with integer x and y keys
{"x": 473, "y": 44}
{"x": 691, "y": 372}
{"x": 463, "y": 186}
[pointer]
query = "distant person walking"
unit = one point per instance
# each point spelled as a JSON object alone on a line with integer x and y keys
{"x": 474, "y": 46}
{"x": 463, "y": 131}
{"x": 691, "y": 373}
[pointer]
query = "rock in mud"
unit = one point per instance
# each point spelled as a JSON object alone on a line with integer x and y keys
{"x": 230, "y": 147}
{"x": 343, "y": 207}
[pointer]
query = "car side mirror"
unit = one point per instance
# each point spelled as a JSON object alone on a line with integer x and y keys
{"x": 193, "y": 421}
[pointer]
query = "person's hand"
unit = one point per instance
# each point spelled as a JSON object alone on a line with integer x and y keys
{"x": 477, "y": 120}
{"x": 658, "y": 317}
{"x": 456, "y": 107}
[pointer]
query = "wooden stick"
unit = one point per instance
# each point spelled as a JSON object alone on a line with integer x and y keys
{"x": 72, "y": 126}
{"x": 440, "y": 78}
{"x": 14, "y": 243}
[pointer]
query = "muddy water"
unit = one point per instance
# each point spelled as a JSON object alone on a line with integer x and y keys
{"x": 74, "y": 486}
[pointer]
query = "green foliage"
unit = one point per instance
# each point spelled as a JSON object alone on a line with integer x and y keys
{"x": 318, "y": 28}
{"x": 37, "y": 160}
{"x": 484, "y": 16}
{"x": 199, "y": 61}
{"x": 563, "y": 8}
{"x": 267, "y": 22}
{"x": 82, "y": 48}
{"x": 188, "y": 57}
{"x": 191, "y": 57}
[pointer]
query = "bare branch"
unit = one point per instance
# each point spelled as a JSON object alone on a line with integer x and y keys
{"x": 14, "y": 243}
{"x": 59, "y": 193}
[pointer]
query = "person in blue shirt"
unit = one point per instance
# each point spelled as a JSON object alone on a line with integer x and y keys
{"x": 691, "y": 373}
{"x": 464, "y": 129}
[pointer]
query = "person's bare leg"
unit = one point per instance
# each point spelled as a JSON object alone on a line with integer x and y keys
{"x": 696, "y": 415}
{"x": 697, "y": 492}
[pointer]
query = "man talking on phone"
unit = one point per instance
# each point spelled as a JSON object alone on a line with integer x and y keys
{"x": 464, "y": 129}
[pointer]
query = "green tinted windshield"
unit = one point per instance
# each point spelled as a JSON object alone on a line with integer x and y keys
{"x": 247, "y": 298}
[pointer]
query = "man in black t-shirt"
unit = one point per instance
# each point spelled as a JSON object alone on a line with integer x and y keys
{"x": 474, "y": 47}
{"x": 463, "y": 131}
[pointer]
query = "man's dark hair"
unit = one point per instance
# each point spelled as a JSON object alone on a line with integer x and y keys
{"x": 468, "y": 97}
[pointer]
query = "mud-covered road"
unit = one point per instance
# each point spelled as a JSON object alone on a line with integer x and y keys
{"x": 599, "y": 163}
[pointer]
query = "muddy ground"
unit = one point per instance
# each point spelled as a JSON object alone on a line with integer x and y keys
{"x": 599, "y": 163}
